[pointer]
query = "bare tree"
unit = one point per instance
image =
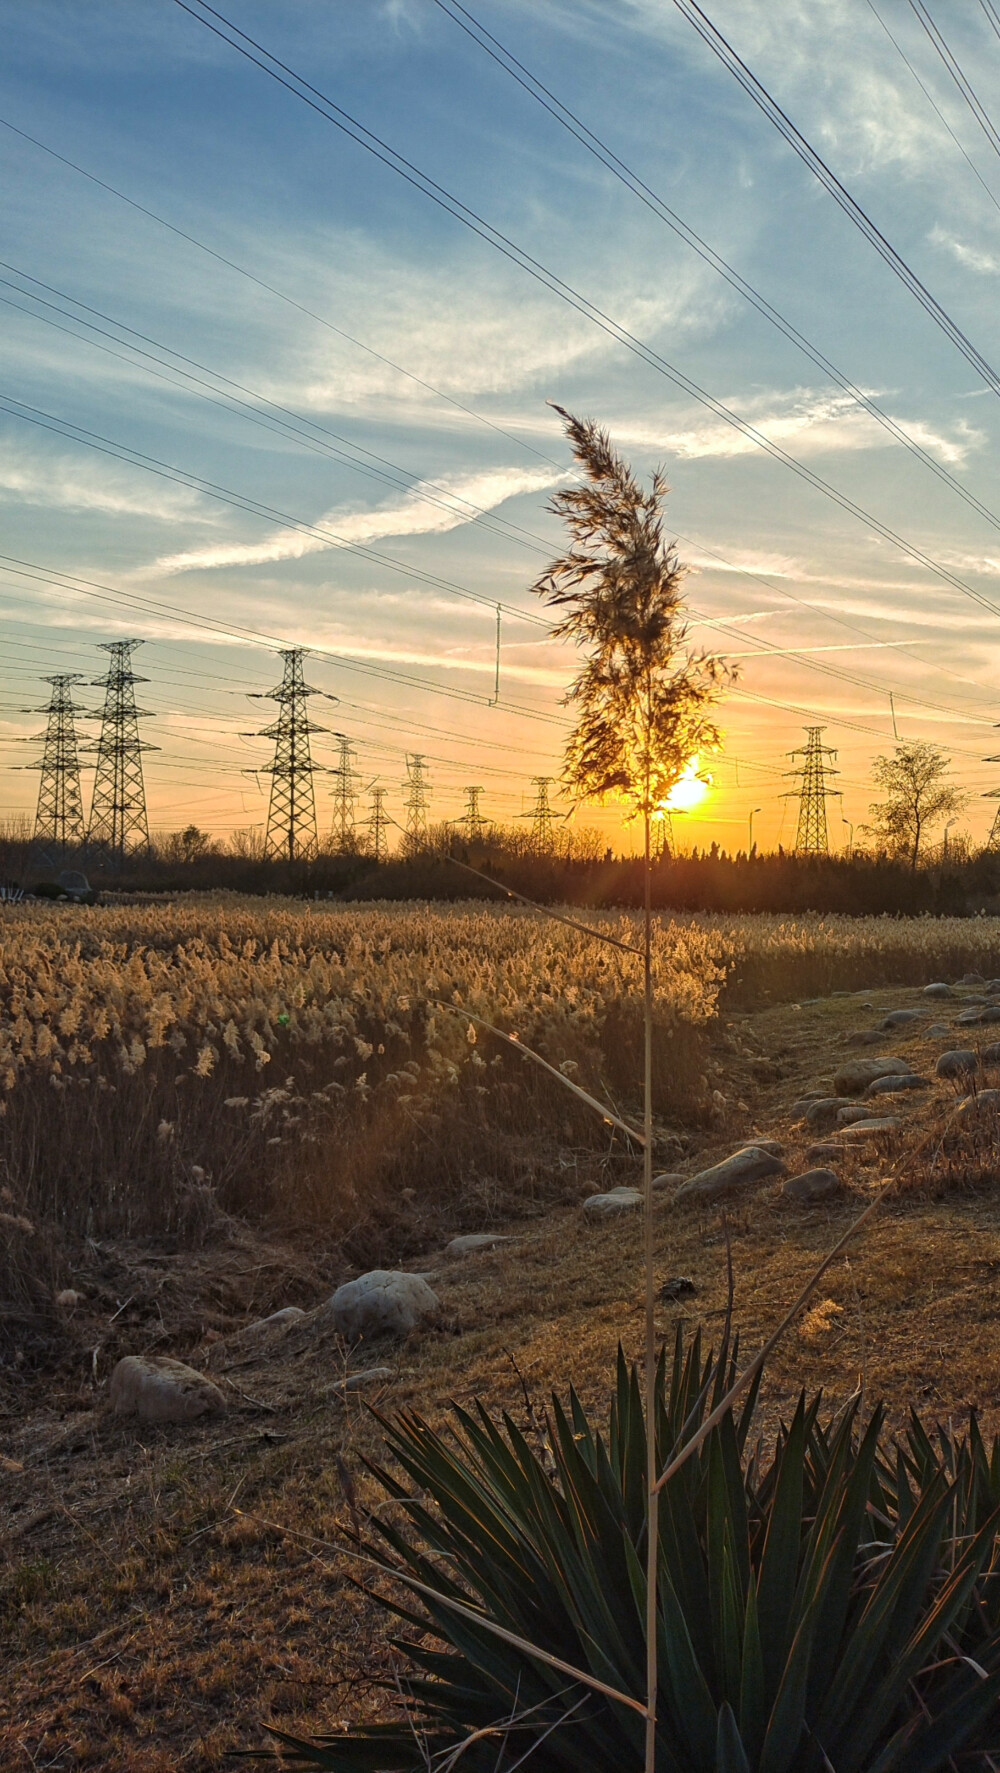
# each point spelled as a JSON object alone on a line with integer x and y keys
{"x": 643, "y": 712}
{"x": 917, "y": 797}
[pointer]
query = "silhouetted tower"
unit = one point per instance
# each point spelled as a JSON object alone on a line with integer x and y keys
{"x": 472, "y": 818}
{"x": 291, "y": 814}
{"x": 417, "y": 802}
{"x": 118, "y": 821}
{"x": 342, "y": 831}
{"x": 993, "y": 841}
{"x": 378, "y": 827}
{"x": 59, "y": 816}
{"x": 811, "y": 838}
{"x": 543, "y": 819}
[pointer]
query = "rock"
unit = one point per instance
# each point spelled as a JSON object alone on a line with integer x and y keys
{"x": 985, "y": 1102}
{"x": 824, "y": 1112}
{"x": 812, "y": 1185}
{"x": 681, "y": 1287}
{"x": 823, "y": 1149}
{"x": 902, "y": 1018}
{"x": 991, "y": 1055}
{"x": 855, "y": 1112}
{"x": 890, "y": 1086}
{"x": 939, "y": 1031}
{"x": 773, "y": 1147}
{"x": 863, "y": 1129}
{"x": 802, "y": 1104}
{"x": 289, "y": 1314}
{"x": 971, "y": 979}
{"x": 471, "y": 1241}
{"x": 864, "y": 1037}
{"x": 384, "y": 1302}
{"x": 857, "y": 1074}
{"x": 365, "y": 1377}
{"x": 938, "y": 989}
{"x": 158, "y": 1389}
{"x": 617, "y": 1200}
{"x": 969, "y": 1018}
{"x": 960, "y": 1062}
{"x": 752, "y": 1164}
{"x": 669, "y": 1179}
{"x": 68, "y": 1298}
{"x": 993, "y": 987}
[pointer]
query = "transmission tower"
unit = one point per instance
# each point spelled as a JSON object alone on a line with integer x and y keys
{"x": 378, "y": 827}
{"x": 472, "y": 818}
{"x": 59, "y": 817}
{"x": 993, "y": 841}
{"x": 342, "y": 831}
{"x": 118, "y": 821}
{"x": 291, "y": 814}
{"x": 417, "y": 802}
{"x": 811, "y": 838}
{"x": 543, "y": 818}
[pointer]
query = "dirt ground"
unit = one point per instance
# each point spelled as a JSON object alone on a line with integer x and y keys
{"x": 164, "y": 1592}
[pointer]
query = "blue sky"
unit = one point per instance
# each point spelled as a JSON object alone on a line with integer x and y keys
{"x": 144, "y": 99}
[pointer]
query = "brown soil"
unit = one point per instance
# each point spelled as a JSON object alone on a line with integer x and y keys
{"x": 166, "y": 1591}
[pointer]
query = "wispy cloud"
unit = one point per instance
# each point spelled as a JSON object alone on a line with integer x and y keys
{"x": 66, "y": 483}
{"x": 973, "y": 258}
{"x": 426, "y": 510}
{"x": 806, "y": 421}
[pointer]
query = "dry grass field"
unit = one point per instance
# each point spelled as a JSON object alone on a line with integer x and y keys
{"x": 165, "y": 1591}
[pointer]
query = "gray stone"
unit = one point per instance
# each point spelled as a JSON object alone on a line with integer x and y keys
{"x": 472, "y": 1241}
{"x": 802, "y": 1104}
{"x": 991, "y": 1055}
{"x": 824, "y": 1112}
{"x": 938, "y": 989}
{"x": 773, "y": 1146}
{"x": 960, "y": 1062}
{"x": 680, "y": 1287}
{"x": 993, "y": 987}
{"x": 752, "y": 1164}
{"x": 289, "y": 1314}
{"x": 939, "y": 1031}
{"x": 157, "y": 1389}
{"x": 971, "y": 979}
{"x": 864, "y": 1037}
{"x": 364, "y": 1377}
{"x": 902, "y": 1018}
{"x": 824, "y": 1148}
{"x": 669, "y": 1179}
{"x": 984, "y": 1102}
{"x": 857, "y": 1074}
{"x": 384, "y": 1302}
{"x": 610, "y": 1205}
{"x": 864, "y": 1129}
{"x": 854, "y": 1112}
{"x": 891, "y": 1086}
{"x": 812, "y": 1185}
{"x": 970, "y": 1018}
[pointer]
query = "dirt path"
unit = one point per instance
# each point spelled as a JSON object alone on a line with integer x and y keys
{"x": 165, "y": 1590}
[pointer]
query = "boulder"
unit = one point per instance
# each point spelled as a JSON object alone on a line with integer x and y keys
{"x": 157, "y": 1389}
{"x": 824, "y": 1112}
{"x": 471, "y": 1241}
{"x": 773, "y": 1146}
{"x": 669, "y": 1179}
{"x": 891, "y": 1086}
{"x": 971, "y": 979}
{"x": 289, "y": 1314}
{"x": 969, "y": 1018}
{"x": 991, "y": 1055}
{"x": 865, "y": 1129}
{"x": 959, "y": 1062}
{"x": 938, "y": 989}
{"x": 864, "y": 1037}
{"x": 984, "y": 1102}
{"x": 854, "y": 1112}
{"x": 902, "y": 1018}
{"x": 824, "y": 1148}
{"x": 993, "y": 987}
{"x": 857, "y": 1074}
{"x": 802, "y": 1104}
{"x": 384, "y": 1302}
{"x": 610, "y": 1205}
{"x": 939, "y": 1031}
{"x": 752, "y": 1164}
{"x": 812, "y": 1185}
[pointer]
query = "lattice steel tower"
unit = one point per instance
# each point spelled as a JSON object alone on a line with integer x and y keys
{"x": 59, "y": 816}
{"x": 993, "y": 841}
{"x": 472, "y": 818}
{"x": 378, "y": 827}
{"x": 811, "y": 838}
{"x": 417, "y": 803}
{"x": 342, "y": 830}
{"x": 118, "y": 821}
{"x": 291, "y": 814}
{"x": 543, "y": 818}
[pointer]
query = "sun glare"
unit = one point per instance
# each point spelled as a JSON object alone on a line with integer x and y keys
{"x": 690, "y": 791}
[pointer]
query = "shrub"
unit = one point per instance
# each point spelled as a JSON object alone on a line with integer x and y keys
{"x": 830, "y": 1604}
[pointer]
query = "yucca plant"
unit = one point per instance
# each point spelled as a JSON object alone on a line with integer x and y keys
{"x": 826, "y": 1606}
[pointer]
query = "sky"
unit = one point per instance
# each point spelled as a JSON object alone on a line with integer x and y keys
{"x": 257, "y": 390}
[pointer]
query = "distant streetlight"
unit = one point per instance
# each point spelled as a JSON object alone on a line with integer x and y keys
{"x": 755, "y": 809}
{"x": 850, "y": 841}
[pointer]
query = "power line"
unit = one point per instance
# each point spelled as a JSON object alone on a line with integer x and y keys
{"x": 726, "y": 54}
{"x": 626, "y": 175}
{"x": 935, "y": 107}
{"x": 954, "y": 67}
{"x": 348, "y": 125}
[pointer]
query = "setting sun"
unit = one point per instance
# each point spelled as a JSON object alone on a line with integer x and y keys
{"x": 689, "y": 791}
